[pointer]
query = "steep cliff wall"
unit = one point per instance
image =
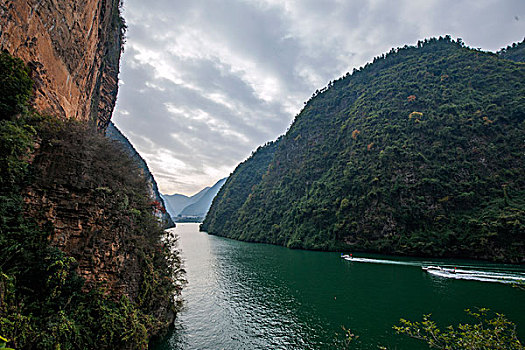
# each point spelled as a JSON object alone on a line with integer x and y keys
{"x": 73, "y": 49}
{"x": 65, "y": 185}
{"x": 98, "y": 201}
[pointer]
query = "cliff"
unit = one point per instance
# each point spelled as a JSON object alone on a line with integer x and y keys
{"x": 73, "y": 49}
{"x": 418, "y": 153}
{"x": 88, "y": 266}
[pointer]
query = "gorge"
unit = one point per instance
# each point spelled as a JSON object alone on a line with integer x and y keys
{"x": 414, "y": 160}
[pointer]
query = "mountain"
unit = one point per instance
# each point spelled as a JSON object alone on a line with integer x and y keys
{"x": 175, "y": 203}
{"x": 194, "y": 208}
{"x": 200, "y": 207}
{"x": 73, "y": 49}
{"x": 514, "y": 52}
{"x": 418, "y": 153}
{"x": 113, "y": 133}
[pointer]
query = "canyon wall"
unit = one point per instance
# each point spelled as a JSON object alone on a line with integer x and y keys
{"x": 75, "y": 189}
{"x": 73, "y": 49}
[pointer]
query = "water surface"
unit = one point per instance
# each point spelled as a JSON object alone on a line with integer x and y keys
{"x": 256, "y": 296}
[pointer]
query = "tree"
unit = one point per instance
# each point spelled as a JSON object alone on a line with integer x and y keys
{"x": 15, "y": 86}
{"x": 494, "y": 332}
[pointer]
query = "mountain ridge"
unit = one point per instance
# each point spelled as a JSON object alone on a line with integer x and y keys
{"x": 114, "y": 133}
{"x": 411, "y": 154}
{"x": 202, "y": 205}
{"x": 196, "y": 206}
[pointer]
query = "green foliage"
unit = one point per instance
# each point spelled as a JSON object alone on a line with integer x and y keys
{"x": 514, "y": 52}
{"x": 15, "y": 86}
{"x": 15, "y": 143}
{"x": 44, "y": 303}
{"x": 418, "y": 153}
{"x": 494, "y": 332}
{"x": 227, "y": 203}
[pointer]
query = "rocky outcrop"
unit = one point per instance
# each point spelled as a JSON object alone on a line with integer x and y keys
{"x": 81, "y": 228}
{"x": 73, "y": 49}
{"x": 98, "y": 204}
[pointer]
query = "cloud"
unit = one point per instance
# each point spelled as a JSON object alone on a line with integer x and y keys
{"x": 203, "y": 83}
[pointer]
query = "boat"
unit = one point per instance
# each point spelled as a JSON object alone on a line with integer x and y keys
{"x": 431, "y": 268}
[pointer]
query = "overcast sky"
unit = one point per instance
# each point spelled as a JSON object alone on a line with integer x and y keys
{"x": 203, "y": 83}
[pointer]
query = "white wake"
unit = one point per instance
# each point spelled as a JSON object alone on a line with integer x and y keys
{"x": 459, "y": 272}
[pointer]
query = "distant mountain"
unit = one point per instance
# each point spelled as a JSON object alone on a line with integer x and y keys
{"x": 202, "y": 205}
{"x": 196, "y": 206}
{"x": 114, "y": 133}
{"x": 418, "y": 153}
{"x": 175, "y": 203}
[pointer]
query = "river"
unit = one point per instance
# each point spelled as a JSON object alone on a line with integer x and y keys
{"x": 257, "y": 296}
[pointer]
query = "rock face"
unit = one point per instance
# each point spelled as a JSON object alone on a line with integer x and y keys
{"x": 73, "y": 49}
{"x": 92, "y": 199}
{"x": 97, "y": 201}
{"x": 80, "y": 225}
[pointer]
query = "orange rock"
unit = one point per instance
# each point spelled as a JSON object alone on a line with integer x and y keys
{"x": 73, "y": 50}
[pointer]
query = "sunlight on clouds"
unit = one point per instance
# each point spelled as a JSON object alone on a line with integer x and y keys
{"x": 169, "y": 162}
{"x": 154, "y": 86}
{"x": 220, "y": 98}
{"x": 195, "y": 44}
{"x": 212, "y": 123}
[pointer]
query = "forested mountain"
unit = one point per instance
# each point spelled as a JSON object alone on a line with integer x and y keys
{"x": 514, "y": 52}
{"x": 420, "y": 152}
{"x": 115, "y": 134}
{"x": 225, "y": 209}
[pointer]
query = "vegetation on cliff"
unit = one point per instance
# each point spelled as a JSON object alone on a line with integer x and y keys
{"x": 114, "y": 133}
{"x": 15, "y": 86}
{"x": 72, "y": 298}
{"x": 419, "y": 152}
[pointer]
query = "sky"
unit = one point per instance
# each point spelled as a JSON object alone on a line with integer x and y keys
{"x": 203, "y": 83}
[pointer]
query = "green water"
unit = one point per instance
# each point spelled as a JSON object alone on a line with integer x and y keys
{"x": 256, "y": 296}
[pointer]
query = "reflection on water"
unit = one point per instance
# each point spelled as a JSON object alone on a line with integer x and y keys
{"x": 255, "y": 296}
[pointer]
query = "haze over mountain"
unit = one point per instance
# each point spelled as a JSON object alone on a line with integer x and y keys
{"x": 196, "y": 206}
{"x": 420, "y": 152}
{"x": 176, "y": 202}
